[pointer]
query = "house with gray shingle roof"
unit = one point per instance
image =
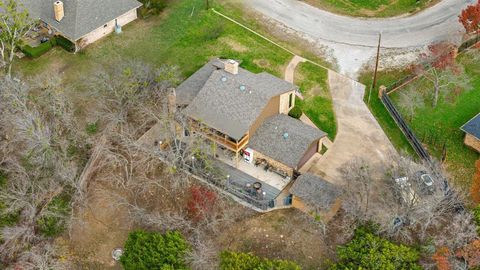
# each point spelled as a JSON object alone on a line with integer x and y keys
{"x": 313, "y": 194}
{"x": 472, "y": 133}
{"x": 83, "y": 21}
{"x": 246, "y": 115}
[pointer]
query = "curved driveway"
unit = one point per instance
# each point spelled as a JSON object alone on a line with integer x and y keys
{"x": 350, "y": 37}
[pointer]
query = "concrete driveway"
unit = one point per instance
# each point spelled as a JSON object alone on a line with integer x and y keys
{"x": 353, "y": 41}
{"x": 359, "y": 134}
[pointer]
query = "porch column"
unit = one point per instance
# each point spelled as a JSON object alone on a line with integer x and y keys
{"x": 236, "y": 159}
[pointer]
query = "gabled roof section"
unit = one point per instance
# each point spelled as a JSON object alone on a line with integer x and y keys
{"x": 81, "y": 16}
{"x": 315, "y": 191}
{"x": 285, "y": 139}
{"x": 189, "y": 89}
{"x": 230, "y": 103}
{"x": 472, "y": 127}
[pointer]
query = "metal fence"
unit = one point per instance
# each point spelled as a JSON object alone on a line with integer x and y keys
{"x": 406, "y": 130}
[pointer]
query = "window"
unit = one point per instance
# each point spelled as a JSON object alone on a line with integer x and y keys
{"x": 105, "y": 26}
{"x": 290, "y": 101}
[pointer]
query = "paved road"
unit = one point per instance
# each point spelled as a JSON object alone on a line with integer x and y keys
{"x": 359, "y": 134}
{"x": 353, "y": 40}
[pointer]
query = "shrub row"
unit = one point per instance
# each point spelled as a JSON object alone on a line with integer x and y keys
{"x": 41, "y": 49}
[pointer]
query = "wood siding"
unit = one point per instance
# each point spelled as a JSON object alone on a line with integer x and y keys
{"x": 285, "y": 102}
{"x": 270, "y": 110}
{"x": 312, "y": 150}
{"x": 472, "y": 142}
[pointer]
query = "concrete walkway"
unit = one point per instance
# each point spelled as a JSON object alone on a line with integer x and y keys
{"x": 290, "y": 71}
{"x": 359, "y": 134}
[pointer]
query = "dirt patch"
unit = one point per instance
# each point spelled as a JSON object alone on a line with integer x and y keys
{"x": 283, "y": 234}
{"x": 235, "y": 45}
{"x": 263, "y": 63}
{"x": 101, "y": 227}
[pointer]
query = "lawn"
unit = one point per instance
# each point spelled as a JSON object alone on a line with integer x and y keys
{"x": 317, "y": 103}
{"x": 372, "y": 8}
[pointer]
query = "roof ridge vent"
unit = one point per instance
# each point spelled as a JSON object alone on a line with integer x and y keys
{"x": 224, "y": 79}
{"x": 285, "y": 135}
{"x": 243, "y": 88}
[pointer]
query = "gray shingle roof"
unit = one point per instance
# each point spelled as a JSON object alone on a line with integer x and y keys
{"x": 472, "y": 127}
{"x": 189, "y": 89}
{"x": 269, "y": 139}
{"x": 315, "y": 191}
{"x": 81, "y": 16}
{"x": 231, "y": 103}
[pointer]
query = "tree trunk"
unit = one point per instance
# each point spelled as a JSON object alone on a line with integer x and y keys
{"x": 436, "y": 92}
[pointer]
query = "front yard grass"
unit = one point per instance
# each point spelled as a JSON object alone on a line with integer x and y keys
{"x": 317, "y": 103}
{"x": 372, "y": 8}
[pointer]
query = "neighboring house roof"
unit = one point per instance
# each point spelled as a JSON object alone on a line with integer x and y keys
{"x": 81, "y": 16}
{"x": 472, "y": 127}
{"x": 315, "y": 191}
{"x": 231, "y": 103}
{"x": 271, "y": 139}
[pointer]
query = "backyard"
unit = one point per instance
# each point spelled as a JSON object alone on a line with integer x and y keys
{"x": 372, "y": 8}
{"x": 437, "y": 127}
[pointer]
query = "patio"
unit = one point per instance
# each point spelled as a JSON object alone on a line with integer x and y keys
{"x": 259, "y": 172}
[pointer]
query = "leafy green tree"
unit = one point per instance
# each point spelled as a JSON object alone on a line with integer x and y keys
{"x": 151, "y": 250}
{"x": 369, "y": 251}
{"x": 247, "y": 261}
{"x": 14, "y": 25}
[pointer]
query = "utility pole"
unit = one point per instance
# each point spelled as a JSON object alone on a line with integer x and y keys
{"x": 376, "y": 67}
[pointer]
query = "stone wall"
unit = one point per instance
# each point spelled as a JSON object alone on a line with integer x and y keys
{"x": 274, "y": 163}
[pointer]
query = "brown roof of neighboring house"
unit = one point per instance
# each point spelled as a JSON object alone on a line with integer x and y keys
{"x": 226, "y": 102}
{"x": 81, "y": 16}
{"x": 285, "y": 139}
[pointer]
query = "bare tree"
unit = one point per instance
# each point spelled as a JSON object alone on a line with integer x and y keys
{"x": 440, "y": 69}
{"x": 358, "y": 189}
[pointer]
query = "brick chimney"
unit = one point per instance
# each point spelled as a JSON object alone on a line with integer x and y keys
{"x": 58, "y": 10}
{"x": 231, "y": 66}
